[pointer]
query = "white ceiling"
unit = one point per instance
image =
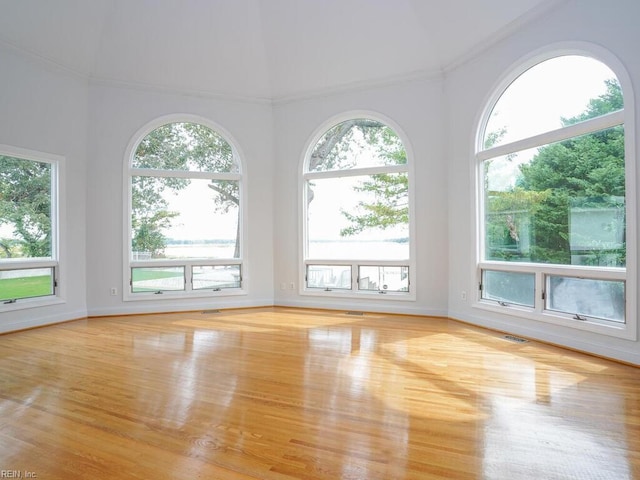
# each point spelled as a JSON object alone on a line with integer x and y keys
{"x": 259, "y": 49}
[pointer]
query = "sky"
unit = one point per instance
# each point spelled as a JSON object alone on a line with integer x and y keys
{"x": 199, "y": 219}
{"x": 537, "y": 100}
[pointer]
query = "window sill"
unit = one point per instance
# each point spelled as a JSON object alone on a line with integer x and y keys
{"x": 231, "y": 292}
{"x": 624, "y": 331}
{"x": 392, "y": 296}
{"x": 27, "y": 303}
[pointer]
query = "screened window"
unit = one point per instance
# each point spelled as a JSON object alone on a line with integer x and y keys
{"x": 554, "y": 194}
{"x": 28, "y": 226}
{"x": 185, "y": 212}
{"x": 357, "y": 208}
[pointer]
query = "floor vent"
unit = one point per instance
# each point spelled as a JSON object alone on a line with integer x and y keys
{"x": 512, "y": 338}
{"x": 209, "y": 312}
{"x": 356, "y": 314}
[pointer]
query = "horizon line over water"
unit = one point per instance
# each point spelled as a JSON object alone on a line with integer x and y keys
{"x": 367, "y": 250}
{"x": 334, "y": 250}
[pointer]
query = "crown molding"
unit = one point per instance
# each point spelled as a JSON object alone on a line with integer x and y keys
{"x": 178, "y": 90}
{"x": 49, "y": 63}
{"x": 345, "y": 88}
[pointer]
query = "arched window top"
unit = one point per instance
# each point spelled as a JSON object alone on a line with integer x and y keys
{"x": 551, "y": 95}
{"x": 357, "y": 203}
{"x": 185, "y": 146}
{"x": 357, "y": 143}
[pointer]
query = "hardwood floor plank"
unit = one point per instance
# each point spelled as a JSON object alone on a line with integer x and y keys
{"x": 282, "y": 393}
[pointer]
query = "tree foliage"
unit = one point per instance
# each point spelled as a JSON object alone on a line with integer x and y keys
{"x": 343, "y": 147}
{"x": 25, "y": 207}
{"x": 389, "y": 191}
{"x": 586, "y": 171}
{"x": 178, "y": 147}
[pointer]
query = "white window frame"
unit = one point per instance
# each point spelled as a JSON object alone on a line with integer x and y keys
{"x": 57, "y": 188}
{"x": 306, "y": 175}
{"x": 188, "y": 264}
{"x": 626, "y": 117}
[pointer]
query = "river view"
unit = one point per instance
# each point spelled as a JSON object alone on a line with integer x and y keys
{"x": 318, "y": 250}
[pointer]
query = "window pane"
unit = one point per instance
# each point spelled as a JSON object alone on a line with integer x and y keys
{"x": 386, "y": 279}
{"x": 26, "y": 283}
{"x": 357, "y": 143}
{"x": 329, "y": 276}
{"x": 185, "y": 146}
{"x": 157, "y": 279}
{"x": 550, "y": 95}
{"x": 213, "y": 277}
{"x": 25, "y": 209}
{"x": 508, "y": 287}
{"x": 362, "y": 217}
{"x": 177, "y": 218}
{"x": 562, "y": 203}
{"x": 604, "y": 299}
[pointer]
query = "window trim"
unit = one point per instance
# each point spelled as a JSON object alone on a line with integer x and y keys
{"x": 129, "y": 172}
{"x": 354, "y": 288}
{"x": 56, "y": 263}
{"x": 304, "y": 175}
{"x": 626, "y": 117}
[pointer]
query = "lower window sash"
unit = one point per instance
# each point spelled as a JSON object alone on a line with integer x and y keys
{"x": 26, "y": 283}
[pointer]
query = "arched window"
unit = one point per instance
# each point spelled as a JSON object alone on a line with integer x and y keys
{"x": 554, "y": 226}
{"x": 356, "y": 198}
{"x": 185, "y": 222}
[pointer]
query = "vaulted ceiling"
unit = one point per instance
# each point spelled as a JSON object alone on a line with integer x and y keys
{"x": 259, "y": 49}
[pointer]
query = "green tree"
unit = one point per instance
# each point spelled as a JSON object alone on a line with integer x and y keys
{"x": 390, "y": 191}
{"x": 179, "y": 147}
{"x": 339, "y": 148}
{"x": 586, "y": 171}
{"x": 610, "y": 101}
{"x": 25, "y": 206}
{"x": 507, "y": 222}
{"x": 150, "y": 214}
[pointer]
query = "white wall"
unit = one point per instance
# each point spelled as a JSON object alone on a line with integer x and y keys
{"x": 116, "y": 115}
{"x": 43, "y": 108}
{"x": 612, "y": 25}
{"x": 416, "y": 107}
{"x": 47, "y": 109}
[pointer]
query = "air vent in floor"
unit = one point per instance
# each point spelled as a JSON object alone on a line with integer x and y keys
{"x": 515, "y": 339}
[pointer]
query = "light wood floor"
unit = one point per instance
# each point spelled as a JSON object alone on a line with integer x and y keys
{"x": 278, "y": 393}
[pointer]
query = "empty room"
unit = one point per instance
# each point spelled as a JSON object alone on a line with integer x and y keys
{"x": 319, "y": 239}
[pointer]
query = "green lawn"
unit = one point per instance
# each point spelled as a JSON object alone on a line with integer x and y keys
{"x": 151, "y": 273}
{"x": 25, "y": 287}
{"x": 141, "y": 274}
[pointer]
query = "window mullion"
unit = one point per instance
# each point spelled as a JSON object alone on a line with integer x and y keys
{"x": 588, "y": 126}
{"x": 356, "y": 172}
{"x": 541, "y": 292}
{"x": 147, "y": 172}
